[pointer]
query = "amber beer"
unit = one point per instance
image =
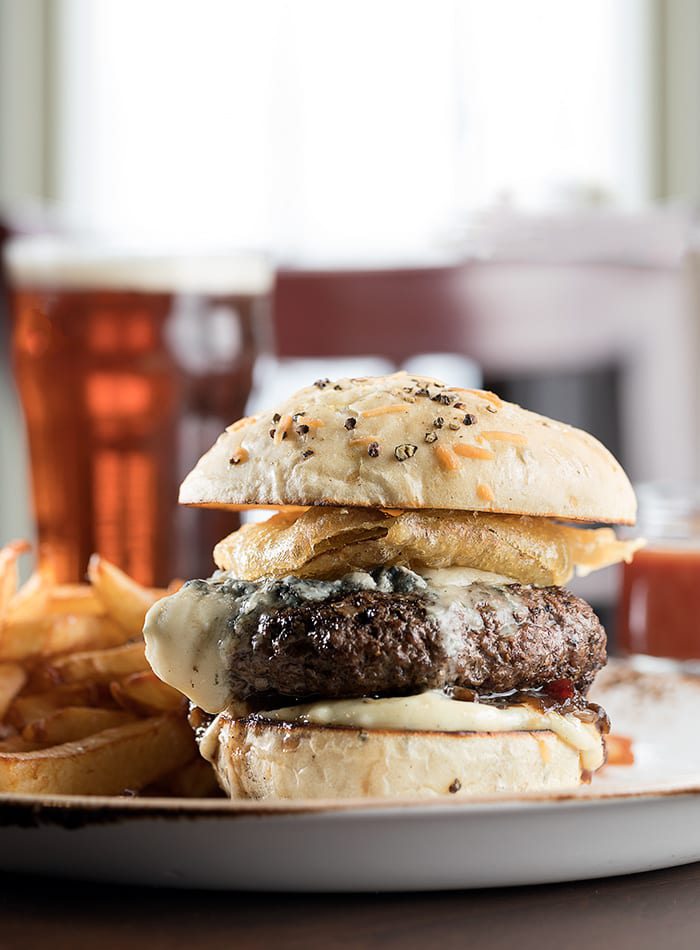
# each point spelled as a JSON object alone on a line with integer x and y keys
{"x": 127, "y": 369}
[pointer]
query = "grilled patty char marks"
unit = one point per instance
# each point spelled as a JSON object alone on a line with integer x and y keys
{"x": 372, "y": 643}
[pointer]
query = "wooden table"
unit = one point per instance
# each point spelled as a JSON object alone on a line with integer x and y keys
{"x": 659, "y": 911}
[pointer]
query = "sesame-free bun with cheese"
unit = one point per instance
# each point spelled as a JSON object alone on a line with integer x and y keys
{"x": 407, "y": 442}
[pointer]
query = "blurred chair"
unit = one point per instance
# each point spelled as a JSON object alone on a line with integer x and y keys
{"x": 393, "y": 313}
{"x": 357, "y": 322}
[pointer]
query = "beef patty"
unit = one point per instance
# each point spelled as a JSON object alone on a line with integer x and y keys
{"x": 373, "y": 643}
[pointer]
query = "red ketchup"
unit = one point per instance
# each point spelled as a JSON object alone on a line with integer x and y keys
{"x": 659, "y": 611}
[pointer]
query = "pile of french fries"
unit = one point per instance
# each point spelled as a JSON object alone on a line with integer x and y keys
{"x": 80, "y": 710}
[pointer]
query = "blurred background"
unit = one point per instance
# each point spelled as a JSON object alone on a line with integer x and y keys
{"x": 504, "y": 192}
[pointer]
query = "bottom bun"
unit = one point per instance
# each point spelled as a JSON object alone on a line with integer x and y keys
{"x": 262, "y": 759}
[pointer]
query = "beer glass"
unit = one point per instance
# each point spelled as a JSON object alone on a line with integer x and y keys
{"x": 128, "y": 366}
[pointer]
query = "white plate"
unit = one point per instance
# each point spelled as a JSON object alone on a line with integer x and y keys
{"x": 630, "y": 819}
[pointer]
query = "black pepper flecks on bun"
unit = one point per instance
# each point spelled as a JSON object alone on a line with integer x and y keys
{"x": 414, "y": 443}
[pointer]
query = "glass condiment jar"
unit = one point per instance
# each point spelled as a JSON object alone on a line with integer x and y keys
{"x": 659, "y": 609}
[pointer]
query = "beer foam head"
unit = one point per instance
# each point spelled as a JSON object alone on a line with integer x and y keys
{"x": 53, "y": 262}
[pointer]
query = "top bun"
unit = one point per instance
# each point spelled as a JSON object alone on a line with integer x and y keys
{"x": 406, "y": 441}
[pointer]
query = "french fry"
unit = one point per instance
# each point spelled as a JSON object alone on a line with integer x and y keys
{"x": 82, "y": 632}
{"x": 124, "y": 600}
{"x": 29, "y": 603}
{"x": 144, "y": 693}
{"x": 47, "y": 635}
{"x": 9, "y": 578}
{"x": 23, "y": 638}
{"x": 98, "y": 665}
{"x": 80, "y": 710}
{"x": 12, "y": 679}
{"x": 18, "y": 744}
{"x": 74, "y": 599}
{"x": 107, "y": 763}
{"x": 26, "y": 709}
{"x": 74, "y": 722}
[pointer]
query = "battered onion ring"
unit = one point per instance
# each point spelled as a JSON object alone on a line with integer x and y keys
{"x": 329, "y": 542}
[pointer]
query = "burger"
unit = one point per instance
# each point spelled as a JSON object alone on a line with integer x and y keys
{"x": 399, "y": 626}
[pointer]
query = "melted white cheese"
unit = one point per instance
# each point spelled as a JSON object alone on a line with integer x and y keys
{"x": 433, "y": 711}
{"x": 183, "y": 640}
{"x": 462, "y": 576}
{"x": 455, "y": 604}
{"x": 209, "y": 740}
